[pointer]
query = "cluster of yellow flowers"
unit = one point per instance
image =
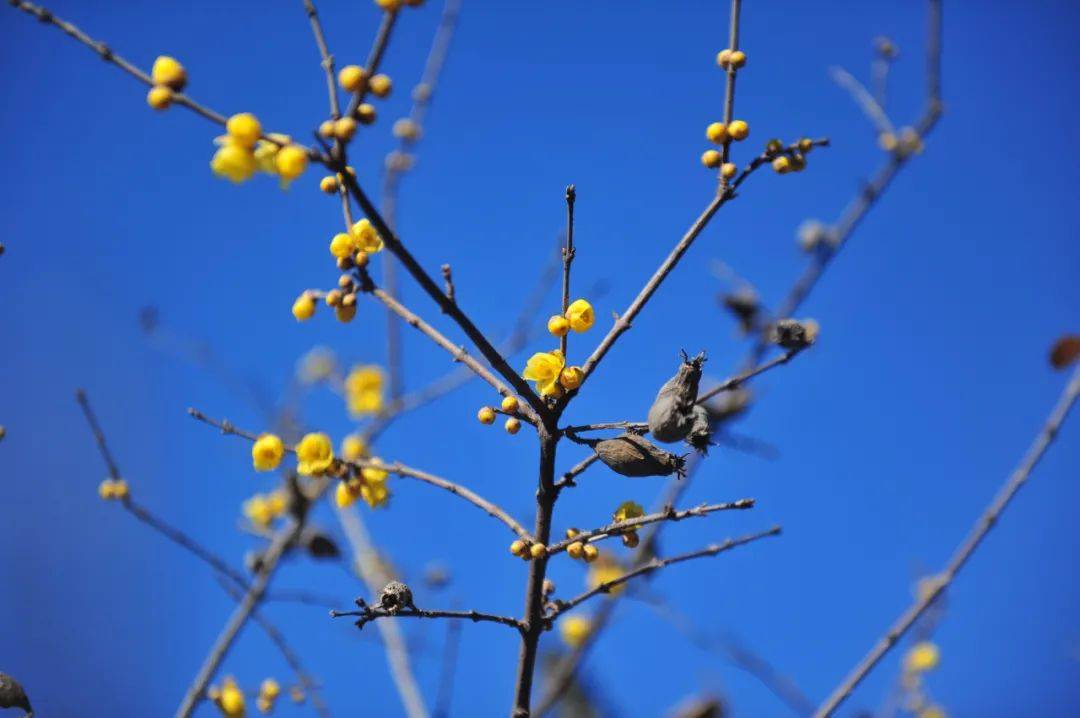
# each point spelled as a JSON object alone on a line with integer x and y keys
{"x": 113, "y": 489}
{"x": 243, "y": 151}
{"x": 921, "y": 658}
{"x": 262, "y": 509}
{"x": 510, "y": 405}
{"x": 369, "y": 485}
{"x": 528, "y": 551}
{"x": 574, "y": 630}
{"x": 169, "y": 77}
{"x": 548, "y": 369}
{"x": 581, "y": 551}
{"x": 721, "y": 133}
{"x": 269, "y": 690}
{"x": 784, "y": 162}
{"x": 229, "y": 698}
{"x": 364, "y": 390}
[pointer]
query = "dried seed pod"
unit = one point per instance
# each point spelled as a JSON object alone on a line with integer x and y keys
{"x": 395, "y": 596}
{"x": 12, "y": 694}
{"x": 794, "y": 334}
{"x": 746, "y": 307}
{"x": 670, "y": 416}
{"x": 700, "y": 436}
{"x": 1065, "y": 351}
{"x": 318, "y": 544}
{"x": 632, "y": 455}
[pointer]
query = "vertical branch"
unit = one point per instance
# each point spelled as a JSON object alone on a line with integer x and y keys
{"x": 374, "y": 577}
{"x": 449, "y": 664}
{"x": 568, "y": 258}
{"x": 327, "y": 58}
{"x": 964, "y": 551}
{"x": 729, "y": 87}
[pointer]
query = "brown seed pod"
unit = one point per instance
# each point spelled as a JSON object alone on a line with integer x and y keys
{"x": 700, "y": 436}
{"x": 670, "y": 416}
{"x": 395, "y": 596}
{"x": 632, "y": 455}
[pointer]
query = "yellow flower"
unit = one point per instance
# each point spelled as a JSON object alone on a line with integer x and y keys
{"x": 558, "y": 326}
{"x": 380, "y": 85}
{"x": 486, "y": 415}
{"x": 367, "y": 239}
{"x": 267, "y": 452}
{"x": 571, "y": 377}
{"x": 277, "y": 502}
{"x": 351, "y": 78}
{"x": 304, "y": 307}
{"x": 716, "y": 132}
{"x": 739, "y": 130}
{"x": 923, "y": 656}
{"x": 342, "y": 245}
{"x": 347, "y": 492}
{"x": 374, "y": 475}
{"x": 169, "y": 72}
{"x": 628, "y": 510}
{"x": 159, "y": 97}
{"x": 270, "y": 688}
{"x": 581, "y": 316}
{"x": 574, "y": 630}
{"x": 233, "y": 162}
{"x": 364, "y": 390}
{"x": 244, "y": 128}
{"x": 510, "y": 404}
{"x": 604, "y": 569}
{"x": 315, "y": 454}
{"x": 110, "y": 489}
{"x": 259, "y": 510}
{"x": 544, "y": 368}
{"x": 291, "y": 161}
{"x": 375, "y": 495}
{"x": 738, "y": 59}
{"x": 712, "y": 159}
{"x": 728, "y": 170}
{"x": 231, "y": 699}
{"x": 513, "y": 425}
{"x": 328, "y": 184}
{"x": 344, "y": 128}
{"x": 353, "y": 448}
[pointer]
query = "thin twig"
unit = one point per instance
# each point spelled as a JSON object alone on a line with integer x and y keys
{"x": 656, "y": 564}
{"x": 617, "y": 528}
{"x": 368, "y": 614}
{"x": 870, "y": 107}
{"x": 568, "y": 258}
{"x": 729, "y": 89}
{"x": 740, "y": 379}
{"x": 99, "y": 435}
{"x": 570, "y": 477}
{"x": 374, "y": 59}
{"x": 327, "y": 59}
{"x": 963, "y": 552}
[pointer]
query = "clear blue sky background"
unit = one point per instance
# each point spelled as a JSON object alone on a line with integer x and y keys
{"x": 928, "y": 383}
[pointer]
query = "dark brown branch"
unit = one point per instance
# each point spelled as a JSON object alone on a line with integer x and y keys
{"x": 374, "y": 59}
{"x": 617, "y": 528}
{"x": 568, "y": 258}
{"x": 99, "y": 435}
{"x": 656, "y": 564}
{"x": 327, "y": 59}
{"x": 367, "y": 614}
{"x": 570, "y": 477}
{"x": 964, "y": 551}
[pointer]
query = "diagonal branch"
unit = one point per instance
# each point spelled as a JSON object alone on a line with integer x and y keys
{"x": 368, "y": 614}
{"x": 617, "y": 528}
{"x": 656, "y": 564}
{"x": 870, "y": 107}
{"x": 964, "y": 551}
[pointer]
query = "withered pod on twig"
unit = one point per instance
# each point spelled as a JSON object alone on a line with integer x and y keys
{"x": 671, "y": 416}
{"x": 632, "y": 455}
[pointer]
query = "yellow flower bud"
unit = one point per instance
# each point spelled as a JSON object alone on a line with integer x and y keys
{"x": 575, "y": 550}
{"x": 351, "y": 78}
{"x": 105, "y": 489}
{"x": 270, "y": 688}
{"x": 631, "y": 539}
{"x": 345, "y": 128}
{"x": 342, "y": 245}
{"x": 739, "y": 130}
{"x": 571, "y": 377}
{"x": 728, "y": 170}
{"x": 366, "y": 114}
{"x": 291, "y": 161}
{"x": 486, "y": 415}
{"x": 711, "y": 159}
{"x": 517, "y": 547}
{"x": 244, "y": 129}
{"x": 314, "y": 453}
{"x": 353, "y": 448}
{"x": 329, "y": 184}
{"x": 268, "y": 449}
{"x": 805, "y": 145}
{"x": 120, "y": 489}
{"x": 738, "y": 59}
{"x": 406, "y": 129}
{"x": 389, "y": 5}
{"x": 510, "y": 404}
{"x": 590, "y": 553}
{"x": 574, "y": 630}
{"x": 304, "y": 307}
{"x": 233, "y": 162}
{"x": 716, "y": 132}
{"x": 326, "y": 129}
{"x": 512, "y": 425}
{"x": 572, "y": 532}
{"x": 558, "y": 326}
{"x": 581, "y": 316}
{"x": 345, "y": 314}
{"x": 159, "y": 97}
{"x": 781, "y": 164}
{"x": 537, "y": 550}
{"x": 923, "y": 656}
{"x": 380, "y": 85}
{"x": 346, "y": 493}
{"x": 723, "y": 58}
{"x": 169, "y": 72}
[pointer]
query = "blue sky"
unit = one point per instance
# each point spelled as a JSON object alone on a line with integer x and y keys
{"x": 928, "y": 382}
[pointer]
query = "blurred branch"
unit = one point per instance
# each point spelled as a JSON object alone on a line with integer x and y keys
{"x": 446, "y": 675}
{"x": 656, "y": 564}
{"x": 870, "y": 107}
{"x": 964, "y": 551}
{"x": 368, "y": 614}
